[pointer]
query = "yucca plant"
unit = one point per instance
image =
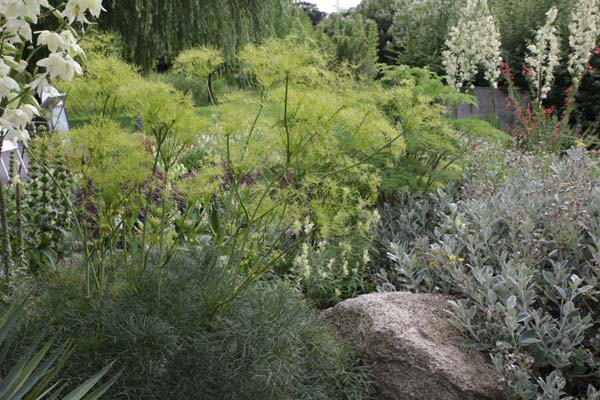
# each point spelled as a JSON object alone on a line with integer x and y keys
{"x": 34, "y": 376}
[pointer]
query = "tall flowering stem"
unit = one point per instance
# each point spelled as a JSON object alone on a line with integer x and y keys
{"x": 537, "y": 129}
{"x": 5, "y": 245}
{"x": 473, "y": 43}
{"x": 21, "y": 79}
{"x": 546, "y": 129}
{"x": 584, "y": 30}
{"x": 543, "y": 58}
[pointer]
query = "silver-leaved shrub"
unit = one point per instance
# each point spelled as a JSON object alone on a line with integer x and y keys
{"x": 519, "y": 247}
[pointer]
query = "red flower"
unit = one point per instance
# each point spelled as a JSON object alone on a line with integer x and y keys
{"x": 569, "y": 90}
{"x": 597, "y": 51}
{"x": 550, "y": 111}
{"x": 589, "y": 67}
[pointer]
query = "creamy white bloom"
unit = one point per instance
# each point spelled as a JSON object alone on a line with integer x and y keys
{"x": 490, "y": 55}
{"x": 71, "y": 45}
{"x": 544, "y": 56}
{"x": 60, "y": 66}
{"x": 52, "y": 40}
{"x": 473, "y": 43}
{"x": 18, "y": 66}
{"x": 15, "y": 121}
{"x": 75, "y": 9}
{"x": 584, "y": 29}
{"x": 63, "y": 42}
{"x": 17, "y": 18}
{"x": 39, "y": 84}
{"x": 23, "y": 9}
{"x": 18, "y": 30}
{"x": 7, "y": 84}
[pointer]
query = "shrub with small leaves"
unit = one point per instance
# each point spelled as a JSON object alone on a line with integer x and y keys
{"x": 520, "y": 248}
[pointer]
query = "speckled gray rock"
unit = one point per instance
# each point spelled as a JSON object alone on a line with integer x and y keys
{"x": 413, "y": 349}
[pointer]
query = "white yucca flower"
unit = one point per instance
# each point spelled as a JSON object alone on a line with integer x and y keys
{"x": 473, "y": 43}
{"x": 544, "y": 56}
{"x": 584, "y": 28}
{"x": 490, "y": 56}
{"x": 16, "y": 20}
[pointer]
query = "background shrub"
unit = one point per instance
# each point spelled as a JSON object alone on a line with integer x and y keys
{"x": 353, "y": 40}
{"x": 418, "y": 32}
{"x": 155, "y": 31}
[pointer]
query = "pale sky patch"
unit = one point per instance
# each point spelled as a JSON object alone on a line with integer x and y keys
{"x": 331, "y": 5}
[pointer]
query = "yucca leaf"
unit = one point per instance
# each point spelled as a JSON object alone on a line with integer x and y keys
{"x": 30, "y": 377}
{"x": 36, "y": 392}
{"x": 103, "y": 388}
{"x": 20, "y": 373}
{"x": 42, "y": 370}
{"x": 54, "y": 395}
{"x": 86, "y": 386}
{"x": 7, "y": 320}
{"x": 49, "y": 390}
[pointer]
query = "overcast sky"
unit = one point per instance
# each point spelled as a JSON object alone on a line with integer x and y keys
{"x": 330, "y": 5}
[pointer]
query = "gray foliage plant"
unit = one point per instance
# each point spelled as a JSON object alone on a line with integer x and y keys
{"x": 519, "y": 247}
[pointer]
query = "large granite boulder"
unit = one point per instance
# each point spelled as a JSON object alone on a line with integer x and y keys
{"x": 414, "y": 351}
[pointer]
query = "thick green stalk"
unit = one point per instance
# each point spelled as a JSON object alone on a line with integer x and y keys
{"x": 288, "y": 152}
{"x": 493, "y": 116}
{"x": 20, "y": 235}
{"x": 6, "y": 252}
{"x": 163, "y": 215}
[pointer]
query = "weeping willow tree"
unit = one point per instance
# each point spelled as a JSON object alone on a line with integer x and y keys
{"x": 156, "y": 30}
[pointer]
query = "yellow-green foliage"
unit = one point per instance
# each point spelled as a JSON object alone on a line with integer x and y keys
{"x": 297, "y": 59}
{"x": 111, "y": 88}
{"x": 160, "y": 104}
{"x": 167, "y": 112}
{"x": 419, "y": 103}
{"x": 101, "y": 43}
{"x": 109, "y": 158}
{"x": 197, "y": 63}
{"x": 108, "y": 87}
{"x": 205, "y": 182}
{"x": 339, "y": 138}
{"x": 314, "y": 145}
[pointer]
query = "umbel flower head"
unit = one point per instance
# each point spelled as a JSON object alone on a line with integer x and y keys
{"x": 584, "y": 28}
{"x": 544, "y": 56}
{"x": 473, "y": 43}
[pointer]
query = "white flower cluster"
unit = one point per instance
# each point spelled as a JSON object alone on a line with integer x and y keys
{"x": 75, "y": 10}
{"x": 544, "y": 56}
{"x": 473, "y": 43}
{"x": 17, "y": 79}
{"x": 584, "y": 28}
